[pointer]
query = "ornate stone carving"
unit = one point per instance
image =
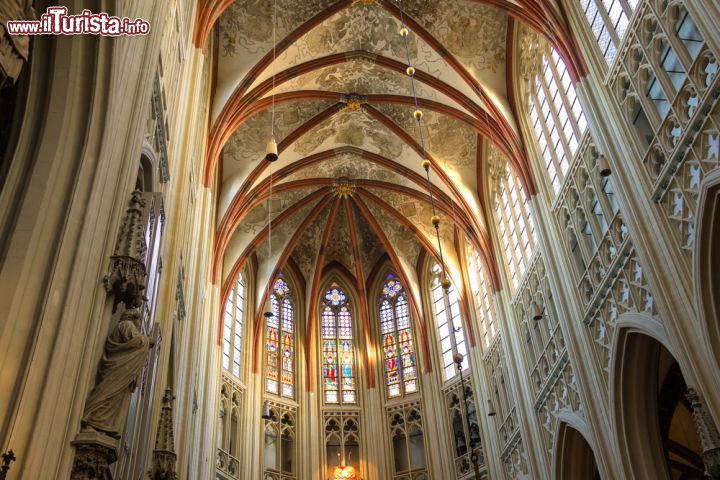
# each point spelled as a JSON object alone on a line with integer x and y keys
{"x": 530, "y": 61}
{"x": 7, "y": 459}
{"x": 344, "y": 187}
{"x": 122, "y": 362}
{"x": 127, "y": 276}
{"x": 164, "y": 457}
{"x": 708, "y": 433}
{"x": 94, "y": 453}
{"x": 15, "y": 49}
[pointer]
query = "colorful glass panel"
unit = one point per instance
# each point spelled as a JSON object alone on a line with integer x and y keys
{"x": 399, "y": 357}
{"x": 279, "y": 342}
{"x": 335, "y": 297}
{"x": 338, "y": 349}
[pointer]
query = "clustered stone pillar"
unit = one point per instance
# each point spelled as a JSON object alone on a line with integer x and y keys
{"x": 124, "y": 355}
{"x": 708, "y": 434}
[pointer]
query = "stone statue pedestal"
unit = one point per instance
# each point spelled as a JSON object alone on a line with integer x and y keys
{"x": 94, "y": 453}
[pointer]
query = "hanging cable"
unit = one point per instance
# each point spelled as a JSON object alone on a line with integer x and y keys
{"x": 271, "y": 151}
{"x": 418, "y": 114}
{"x": 271, "y": 155}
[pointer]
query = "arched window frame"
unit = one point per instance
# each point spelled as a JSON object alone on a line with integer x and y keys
{"x": 280, "y": 341}
{"x": 233, "y": 323}
{"x": 396, "y": 339}
{"x": 480, "y": 287}
{"x": 337, "y": 325}
{"x": 448, "y": 322}
{"x": 556, "y": 116}
{"x": 514, "y": 222}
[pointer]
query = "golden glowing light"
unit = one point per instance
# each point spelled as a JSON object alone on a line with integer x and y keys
{"x": 344, "y": 473}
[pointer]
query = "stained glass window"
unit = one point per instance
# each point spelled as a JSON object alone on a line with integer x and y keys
{"x": 279, "y": 342}
{"x": 397, "y": 339}
{"x": 338, "y": 349}
{"x": 233, "y": 328}
{"x": 449, "y": 324}
{"x": 557, "y": 117}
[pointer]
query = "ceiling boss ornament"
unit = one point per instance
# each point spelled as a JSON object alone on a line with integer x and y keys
{"x": 344, "y": 187}
{"x": 353, "y": 102}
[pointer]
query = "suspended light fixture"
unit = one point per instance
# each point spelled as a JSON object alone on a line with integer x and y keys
{"x": 491, "y": 410}
{"x": 266, "y": 415}
{"x": 271, "y": 154}
{"x": 535, "y": 311}
{"x": 271, "y": 151}
{"x": 604, "y": 166}
{"x": 418, "y": 114}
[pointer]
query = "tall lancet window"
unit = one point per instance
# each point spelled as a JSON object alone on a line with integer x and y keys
{"x": 338, "y": 352}
{"x": 480, "y": 285}
{"x": 397, "y": 340}
{"x": 233, "y": 328}
{"x": 449, "y": 324}
{"x": 608, "y": 21}
{"x": 556, "y": 115}
{"x": 279, "y": 348}
{"x": 515, "y": 224}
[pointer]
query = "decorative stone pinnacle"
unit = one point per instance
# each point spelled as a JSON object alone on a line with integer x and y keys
{"x": 344, "y": 187}
{"x": 164, "y": 457}
{"x": 708, "y": 434}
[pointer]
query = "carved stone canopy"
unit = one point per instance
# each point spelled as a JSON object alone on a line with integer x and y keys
{"x": 127, "y": 277}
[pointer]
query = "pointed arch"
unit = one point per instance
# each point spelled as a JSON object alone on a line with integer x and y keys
{"x": 573, "y": 455}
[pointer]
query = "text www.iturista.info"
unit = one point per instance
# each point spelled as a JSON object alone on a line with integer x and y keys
{"x": 56, "y": 21}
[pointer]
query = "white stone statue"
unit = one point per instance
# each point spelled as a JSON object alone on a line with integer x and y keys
{"x": 122, "y": 362}
{"x": 14, "y": 49}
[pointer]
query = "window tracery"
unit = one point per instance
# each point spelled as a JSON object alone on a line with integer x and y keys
{"x": 608, "y": 21}
{"x": 342, "y": 440}
{"x": 405, "y": 424}
{"x": 449, "y": 324}
{"x": 338, "y": 350}
{"x": 397, "y": 339}
{"x": 280, "y": 342}
{"x": 279, "y": 443}
{"x": 515, "y": 224}
{"x": 233, "y": 320}
{"x": 465, "y": 428}
{"x": 228, "y": 429}
{"x": 556, "y": 115}
{"x": 480, "y": 286}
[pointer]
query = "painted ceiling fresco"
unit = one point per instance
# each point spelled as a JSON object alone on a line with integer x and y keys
{"x": 371, "y": 29}
{"x": 349, "y": 106}
{"x": 339, "y": 247}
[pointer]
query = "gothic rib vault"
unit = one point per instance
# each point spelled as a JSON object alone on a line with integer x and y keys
{"x": 349, "y": 184}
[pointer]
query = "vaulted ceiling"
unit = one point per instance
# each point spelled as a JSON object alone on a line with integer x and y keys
{"x": 349, "y": 186}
